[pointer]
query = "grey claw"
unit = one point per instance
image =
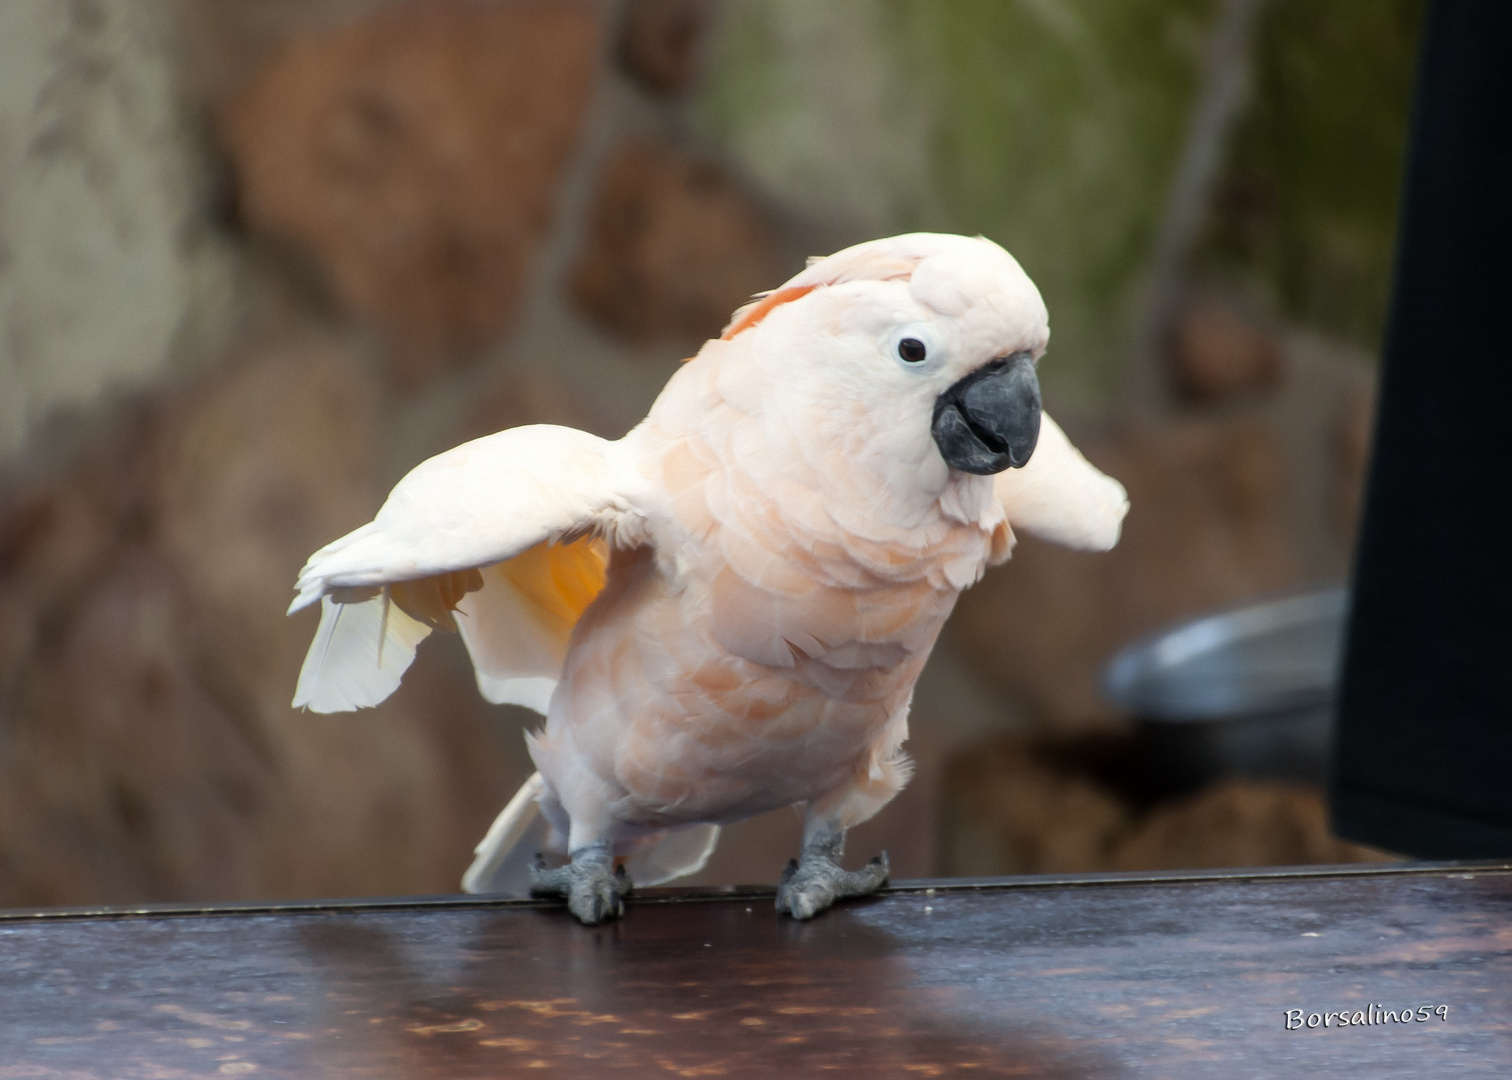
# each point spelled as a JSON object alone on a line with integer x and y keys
{"x": 591, "y": 884}
{"x": 812, "y": 885}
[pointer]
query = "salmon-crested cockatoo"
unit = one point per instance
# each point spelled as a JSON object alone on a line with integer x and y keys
{"x": 725, "y": 611}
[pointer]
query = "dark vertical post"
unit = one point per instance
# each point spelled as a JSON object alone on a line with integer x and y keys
{"x": 1423, "y": 750}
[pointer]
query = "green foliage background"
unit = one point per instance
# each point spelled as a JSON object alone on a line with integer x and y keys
{"x": 1053, "y": 126}
{"x": 1309, "y": 205}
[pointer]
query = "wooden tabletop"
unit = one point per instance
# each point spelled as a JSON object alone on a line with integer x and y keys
{"x": 1153, "y": 975}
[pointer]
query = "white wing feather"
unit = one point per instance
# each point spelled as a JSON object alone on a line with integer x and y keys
{"x": 1059, "y": 496}
{"x": 359, "y": 654}
{"x": 516, "y": 658}
{"x": 485, "y": 501}
{"x": 480, "y": 503}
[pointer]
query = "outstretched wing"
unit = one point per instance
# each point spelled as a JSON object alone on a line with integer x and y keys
{"x": 499, "y": 538}
{"x": 1059, "y": 496}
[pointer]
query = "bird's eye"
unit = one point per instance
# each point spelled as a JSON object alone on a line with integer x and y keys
{"x": 912, "y": 350}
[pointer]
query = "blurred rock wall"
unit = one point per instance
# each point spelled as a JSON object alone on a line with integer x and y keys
{"x": 109, "y": 267}
{"x": 260, "y": 257}
{"x": 441, "y": 218}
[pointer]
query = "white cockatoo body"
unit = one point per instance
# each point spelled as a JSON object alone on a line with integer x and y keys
{"x": 726, "y": 611}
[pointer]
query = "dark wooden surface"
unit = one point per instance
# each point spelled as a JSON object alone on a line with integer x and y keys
{"x": 1180, "y": 977}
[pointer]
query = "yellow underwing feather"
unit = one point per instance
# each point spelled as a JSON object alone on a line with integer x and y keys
{"x": 521, "y": 615}
{"x": 517, "y": 625}
{"x": 560, "y": 580}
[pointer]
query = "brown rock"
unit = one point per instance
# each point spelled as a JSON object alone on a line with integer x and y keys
{"x": 151, "y": 753}
{"x": 529, "y": 396}
{"x": 1020, "y": 805}
{"x": 143, "y": 766}
{"x": 1238, "y": 823}
{"x": 127, "y": 779}
{"x": 255, "y": 470}
{"x": 416, "y": 152}
{"x": 252, "y": 472}
{"x": 222, "y": 44}
{"x": 56, "y": 535}
{"x": 18, "y": 633}
{"x": 1216, "y": 352}
{"x": 675, "y": 247}
{"x": 1009, "y": 808}
{"x": 658, "y": 42}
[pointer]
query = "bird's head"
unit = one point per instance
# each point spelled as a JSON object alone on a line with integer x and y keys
{"x": 924, "y": 344}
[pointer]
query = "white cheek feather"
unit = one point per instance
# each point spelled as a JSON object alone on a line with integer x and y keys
{"x": 859, "y": 419}
{"x": 970, "y": 500}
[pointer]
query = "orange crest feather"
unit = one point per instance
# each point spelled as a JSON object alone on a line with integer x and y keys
{"x": 752, "y": 314}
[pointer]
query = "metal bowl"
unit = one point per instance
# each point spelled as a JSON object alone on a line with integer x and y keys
{"x": 1246, "y": 692}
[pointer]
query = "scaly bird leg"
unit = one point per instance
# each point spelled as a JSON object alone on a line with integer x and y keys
{"x": 815, "y": 881}
{"x": 592, "y": 885}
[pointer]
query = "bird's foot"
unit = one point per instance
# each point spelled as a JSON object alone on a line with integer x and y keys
{"x": 592, "y": 885}
{"x": 814, "y": 882}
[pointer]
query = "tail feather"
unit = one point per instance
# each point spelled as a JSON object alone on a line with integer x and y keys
{"x": 504, "y": 856}
{"x": 677, "y": 854}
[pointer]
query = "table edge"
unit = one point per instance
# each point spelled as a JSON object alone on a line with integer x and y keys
{"x": 765, "y": 893}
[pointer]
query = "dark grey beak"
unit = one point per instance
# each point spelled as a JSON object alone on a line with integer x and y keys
{"x": 990, "y": 420}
